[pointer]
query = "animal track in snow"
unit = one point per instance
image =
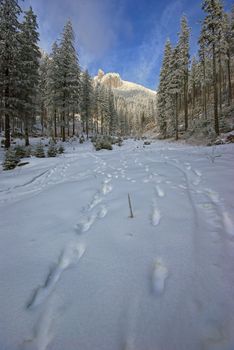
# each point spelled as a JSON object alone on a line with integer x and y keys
{"x": 159, "y": 276}
{"x": 70, "y": 256}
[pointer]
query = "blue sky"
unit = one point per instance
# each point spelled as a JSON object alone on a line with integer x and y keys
{"x": 124, "y": 36}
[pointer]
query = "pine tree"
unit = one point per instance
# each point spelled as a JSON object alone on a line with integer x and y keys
{"x": 229, "y": 36}
{"x": 162, "y": 94}
{"x": 39, "y": 151}
{"x": 30, "y": 55}
{"x": 11, "y": 159}
{"x": 9, "y": 61}
{"x": 43, "y": 89}
{"x": 112, "y": 112}
{"x": 174, "y": 88}
{"x": 203, "y": 55}
{"x": 69, "y": 82}
{"x": 212, "y": 25}
{"x": 183, "y": 47}
{"x": 86, "y": 100}
{"x": 53, "y": 81}
{"x": 52, "y": 150}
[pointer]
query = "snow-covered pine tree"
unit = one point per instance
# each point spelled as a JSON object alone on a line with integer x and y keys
{"x": 113, "y": 114}
{"x": 228, "y": 34}
{"x": 174, "y": 88}
{"x": 30, "y": 55}
{"x": 96, "y": 108}
{"x": 39, "y": 151}
{"x": 52, "y": 150}
{"x": 162, "y": 94}
{"x": 86, "y": 101}
{"x": 43, "y": 91}
{"x": 9, "y": 62}
{"x": 193, "y": 82}
{"x": 69, "y": 82}
{"x": 11, "y": 159}
{"x": 203, "y": 56}
{"x": 183, "y": 47}
{"x": 212, "y": 27}
{"x": 52, "y": 87}
{"x": 104, "y": 109}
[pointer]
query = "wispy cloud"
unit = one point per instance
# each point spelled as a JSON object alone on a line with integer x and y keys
{"x": 97, "y": 30}
{"x": 150, "y": 52}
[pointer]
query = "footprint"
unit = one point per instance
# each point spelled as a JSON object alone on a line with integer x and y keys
{"x": 43, "y": 330}
{"x": 102, "y": 212}
{"x": 107, "y": 188}
{"x": 85, "y": 224}
{"x": 159, "y": 191}
{"x": 96, "y": 200}
{"x": 70, "y": 256}
{"x": 197, "y": 172}
{"x": 156, "y": 217}
{"x": 159, "y": 276}
{"x": 228, "y": 224}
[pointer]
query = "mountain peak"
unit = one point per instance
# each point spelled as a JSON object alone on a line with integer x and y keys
{"x": 115, "y": 81}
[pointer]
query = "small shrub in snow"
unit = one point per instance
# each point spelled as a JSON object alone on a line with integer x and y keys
{"x": 82, "y": 139}
{"x": 11, "y": 160}
{"x": 61, "y": 149}
{"x": 28, "y": 151}
{"x": 120, "y": 141}
{"x": 39, "y": 151}
{"x": 103, "y": 143}
{"x": 20, "y": 151}
{"x": 52, "y": 150}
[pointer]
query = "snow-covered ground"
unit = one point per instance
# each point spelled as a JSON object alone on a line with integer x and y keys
{"x": 76, "y": 273}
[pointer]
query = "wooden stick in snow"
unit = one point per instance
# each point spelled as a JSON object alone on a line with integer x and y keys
{"x": 130, "y": 207}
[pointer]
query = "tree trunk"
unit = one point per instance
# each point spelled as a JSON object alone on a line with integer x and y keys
{"x": 73, "y": 124}
{"x": 220, "y": 83}
{"x": 55, "y": 123}
{"x": 102, "y": 119}
{"x": 186, "y": 101}
{"x": 229, "y": 78}
{"x": 87, "y": 125}
{"x": 7, "y": 117}
{"x": 63, "y": 124}
{"x": 13, "y": 127}
{"x": 7, "y": 131}
{"x": 176, "y": 117}
{"x": 216, "y": 116}
{"x": 26, "y": 131}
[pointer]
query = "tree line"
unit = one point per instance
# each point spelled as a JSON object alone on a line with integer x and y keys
{"x": 197, "y": 94}
{"x": 52, "y": 86}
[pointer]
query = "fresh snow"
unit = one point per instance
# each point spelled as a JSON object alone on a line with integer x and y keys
{"x": 77, "y": 273}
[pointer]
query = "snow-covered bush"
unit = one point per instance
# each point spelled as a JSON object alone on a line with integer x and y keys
{"x": 20, "y": 151}
{"x": 61, "y": 149}
{"x": 39, "y": 151}
{"x": 11, "y": 160}
{"x": 82, "y": 139}
{"x": 103, "y": 143}
{"x": 52, "y": 150}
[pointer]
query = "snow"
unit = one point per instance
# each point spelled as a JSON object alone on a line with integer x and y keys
{"x": 76, "y": 272}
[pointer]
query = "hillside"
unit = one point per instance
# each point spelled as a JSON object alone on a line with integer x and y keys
{"x": 135, "y": 102}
